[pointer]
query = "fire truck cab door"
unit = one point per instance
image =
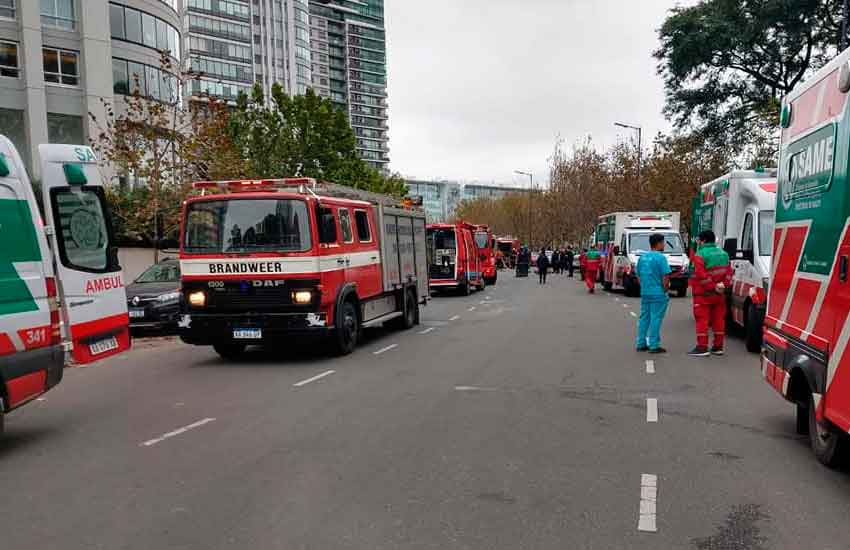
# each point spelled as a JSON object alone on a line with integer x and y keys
{"x": 91, "y": 283}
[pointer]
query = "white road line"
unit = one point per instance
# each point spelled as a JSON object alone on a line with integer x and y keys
{"x": 650, "y": 366}
{"x": 625, "y": 305}
{"x": 313, "y": 379}
{"x": 633, "y": 314}
{"x": 648, "y": 503}
{"x": 178, "y": 431}
{"x": 384, "y": 350}
{"x": 455, "y": 318}
{"x": 616, "y": 299}
{"x": 473, "y": 388}
{"x": 471, "y": 308}
{"x": 426, "y": 331}
{"x": 651, "y": 409}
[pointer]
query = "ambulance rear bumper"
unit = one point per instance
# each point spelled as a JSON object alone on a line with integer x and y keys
{"x": 207, "y": 329}
{"x": 25, "y": 367}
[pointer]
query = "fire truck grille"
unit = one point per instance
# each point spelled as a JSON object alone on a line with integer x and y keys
{"x": 252, "y": 297}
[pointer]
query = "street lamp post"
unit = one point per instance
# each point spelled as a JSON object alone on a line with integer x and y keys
{"x": 530, "y": 191}
{"x": 639, "y": 150}
{"x": 843, "y": 42}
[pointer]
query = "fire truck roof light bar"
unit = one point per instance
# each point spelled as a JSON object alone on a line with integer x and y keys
{"x": 236, "y": 186}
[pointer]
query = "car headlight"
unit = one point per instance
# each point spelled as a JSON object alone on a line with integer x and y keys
{"x": 198, "y": 298}
{"x": 168, "y": 297}
{"x": 302, "y": 296}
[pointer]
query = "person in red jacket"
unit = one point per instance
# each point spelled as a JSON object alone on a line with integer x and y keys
{"x": 712, "y": 275}
{"x": 592, "y": 260}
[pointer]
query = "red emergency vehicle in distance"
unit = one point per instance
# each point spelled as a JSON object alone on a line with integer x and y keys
{"x": 262, "y": 259}
{"x": 454, "y": 261}
{"x": 507, "y": 249}
{"x": 486, "y": 253}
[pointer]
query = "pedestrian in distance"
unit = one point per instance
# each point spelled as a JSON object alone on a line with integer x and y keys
{"x": 653, "y": 273}
{"x": 569, "y": 258}
{"x": 542, "y": 265}
{"x": 556, "y": 262}
{"x": 711, "y": 276}
{"x": 592, "y": 260}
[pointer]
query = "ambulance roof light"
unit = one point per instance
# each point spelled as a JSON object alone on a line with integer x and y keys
{"x": 4, "y": 168}
{"x": 74, "y": 173}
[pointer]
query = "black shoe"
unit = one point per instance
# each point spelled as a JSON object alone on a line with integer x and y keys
{"x": 699, "y": 351}
{"x": 658, "y": 350}
{"x": 717, "y": 351}
{"x": 643, "y": 348}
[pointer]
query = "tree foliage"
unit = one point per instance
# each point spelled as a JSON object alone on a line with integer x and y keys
{"x": 727, "y": 63}
{"x": 303, "y": 135}
{"x": 586, "y": 182}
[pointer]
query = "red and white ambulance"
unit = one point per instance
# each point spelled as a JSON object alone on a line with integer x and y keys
{"x": 58, "y": 271}
{"x": 265, "y": 259}
{"x": 486, "y": 244}
{"x": 454, "y": 260}
{"x": 805, "y": 355}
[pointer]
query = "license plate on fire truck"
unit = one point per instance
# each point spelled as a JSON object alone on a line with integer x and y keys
{"x": 102, "y": 346}
{"x": 247, "y": 334}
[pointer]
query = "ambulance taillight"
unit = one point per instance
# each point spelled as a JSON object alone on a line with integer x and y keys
{"x": 53, "y": 304}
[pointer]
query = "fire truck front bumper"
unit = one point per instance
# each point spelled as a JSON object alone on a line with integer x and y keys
{"x": 206, "y": 329}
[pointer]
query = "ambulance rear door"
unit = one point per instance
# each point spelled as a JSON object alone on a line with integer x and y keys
{"x": 94, "y": 301}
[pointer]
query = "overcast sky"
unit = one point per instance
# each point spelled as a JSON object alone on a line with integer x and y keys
{"x": 480, "y": 88}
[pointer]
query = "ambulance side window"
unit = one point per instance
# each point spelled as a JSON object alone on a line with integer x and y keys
{"x": 361, "y": 220}
{"x": 345, "y": 225}
{"x": 327, "y": 225}
{"x": 747, "y": 234}
{"x": 83, "y": 231}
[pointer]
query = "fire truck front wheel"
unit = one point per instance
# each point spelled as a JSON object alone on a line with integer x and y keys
{"x": 229, "y": 350}
{"x": 347, "y": 328}
{"x": 828, "y": 443}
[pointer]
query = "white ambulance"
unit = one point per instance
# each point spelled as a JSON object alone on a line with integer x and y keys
{"x": 739, "y": 208}
{"x": 55, "y": 271}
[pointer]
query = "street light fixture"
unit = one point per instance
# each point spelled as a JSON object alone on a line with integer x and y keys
{"x": 530, "y": 191}
{"x": 639, "y": 151}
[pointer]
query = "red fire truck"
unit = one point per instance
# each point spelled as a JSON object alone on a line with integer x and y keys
{"x": 486, "y": 244}
{"x": 454, "y": 260}
{"x": 265, "y": 259}
{"x": 805, "y": 355}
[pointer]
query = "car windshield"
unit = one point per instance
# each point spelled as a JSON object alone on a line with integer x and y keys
{"x": 161, "y": 273}
{"x": 639, "y": 242}
{"x": 247, "y": 225}
{"x": 766, "y": 220}
{"x": 481, "y": 239}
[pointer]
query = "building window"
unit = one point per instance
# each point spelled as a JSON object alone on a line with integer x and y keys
{"x": 7, "y": 9}
{"x": 120, "y": 78}
{"x": 61, "y": 66}
{"x": 129, "y": 78}
{"x": 67, "y": 129}
{"x": 141, "y": 28}
{"x": 58, "y": 13}
{"x": 9, "y": 60}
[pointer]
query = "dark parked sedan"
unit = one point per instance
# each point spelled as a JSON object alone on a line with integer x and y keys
{"x": 153, "y": 299}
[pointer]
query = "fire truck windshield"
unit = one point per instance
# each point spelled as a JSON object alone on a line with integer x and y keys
{"x": 247, "y": 225}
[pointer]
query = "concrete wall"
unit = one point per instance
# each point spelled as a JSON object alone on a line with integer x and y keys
{"x": 135, "y": 260}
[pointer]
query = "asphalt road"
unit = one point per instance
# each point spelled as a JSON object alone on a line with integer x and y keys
{"x": 514, "y": 418}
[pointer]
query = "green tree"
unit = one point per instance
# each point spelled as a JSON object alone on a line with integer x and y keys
{"x": 727, "y": 63}
{"x": 303, "y": 135}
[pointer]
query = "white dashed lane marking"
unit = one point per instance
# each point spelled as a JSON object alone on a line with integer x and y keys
{"x": 651, "y": 409}
{"x": 427, "y": 330}
{"x": 633, "y": 314}
{"x": 313, "y": 379}
{"x": 384, "y": 350}
{"x": 471, "y": 308}
{"x": 650, "y": 366}
{"x": 455, "y": 318}
{"x": 648, "y": 503}
{"x": 178, "y": 431}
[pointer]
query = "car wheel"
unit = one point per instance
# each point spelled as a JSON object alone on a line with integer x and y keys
{"x": 229, "y": 350}
{"x": 347, "y": 329}
{"x": 828, "y": 444}
{"x": 753, "y": 330}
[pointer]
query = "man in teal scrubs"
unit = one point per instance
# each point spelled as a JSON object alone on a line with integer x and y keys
{"x": 653, "y": 275}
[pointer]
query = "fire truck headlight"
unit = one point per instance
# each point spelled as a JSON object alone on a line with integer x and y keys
{"x": 302, "y": 296}
{"x": 198, "y": 298}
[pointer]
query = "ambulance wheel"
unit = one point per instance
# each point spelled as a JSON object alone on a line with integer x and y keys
{"x": 347, "y": 329}
{"x": 828, "y": 444}
{"x": 752, "y": 330}
{"x": 229, "y": 350}
{"x": 682, "y": 292}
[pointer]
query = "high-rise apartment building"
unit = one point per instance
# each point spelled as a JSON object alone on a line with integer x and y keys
{"x": 349, "y": 54}
{"x": 55, "y": 60}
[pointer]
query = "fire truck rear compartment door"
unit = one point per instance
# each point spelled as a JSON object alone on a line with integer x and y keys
{"x": 403, "y": 255}
{"x": 91, "y": 282}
